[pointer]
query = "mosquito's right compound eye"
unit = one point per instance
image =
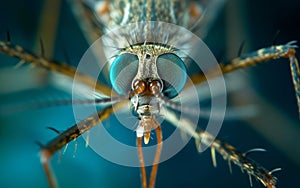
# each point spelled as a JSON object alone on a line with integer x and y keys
{"x": 122, "y": 72}
{"x": 172, "y": 71}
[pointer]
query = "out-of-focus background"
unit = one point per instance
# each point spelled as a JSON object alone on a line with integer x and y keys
{"x": 275, "y": 127}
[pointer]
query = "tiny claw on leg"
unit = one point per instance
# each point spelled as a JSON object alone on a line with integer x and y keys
{"x": 45, "y": 156}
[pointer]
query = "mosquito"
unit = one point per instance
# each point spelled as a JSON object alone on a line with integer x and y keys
{"x": 147, "y": 88}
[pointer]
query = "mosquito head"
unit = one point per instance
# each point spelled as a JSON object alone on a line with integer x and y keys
{"x": 153, "y": 74}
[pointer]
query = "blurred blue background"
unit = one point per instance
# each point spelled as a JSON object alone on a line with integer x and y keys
{"x": 275, "y": 128}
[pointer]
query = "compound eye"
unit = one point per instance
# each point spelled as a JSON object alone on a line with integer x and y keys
{"x": 122, "y": 72}
{"x": 172, "y": 71}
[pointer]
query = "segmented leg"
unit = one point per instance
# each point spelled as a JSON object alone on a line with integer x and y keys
{"x": 157, "y": 156}
{"x": 65, "y": 69}
{"x": 67, "y": 136}
{"x": 227, "y": 151}
{"x": 155, "y": 162}
{"x": 142, "y": 162}
{"x": 258, "y": 57}
{"x": 295, "y": 69}
{"x": 91, "y": 28}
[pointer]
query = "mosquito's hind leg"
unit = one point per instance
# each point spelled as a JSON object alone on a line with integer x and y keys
{"x": 45, "y": 156}
{"x": 67, "y": 136}
{"x": 227, "y": 151}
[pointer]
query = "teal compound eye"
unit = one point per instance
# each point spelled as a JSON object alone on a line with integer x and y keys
{"x": 122, "y": 71}
{"x": 172, "y": 71}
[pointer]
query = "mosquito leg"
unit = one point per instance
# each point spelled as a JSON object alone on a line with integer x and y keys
{"x": 67, "y": 136}
{"x": 251, "y": 59}
{"x": 258, "y": 57}
{"x": 157, "y": 156}
{"x": 295, "y": 69}
{"x": 65, "y": 69}
{"x": 45, "y": 158}
{"x": 90, "y": 27}
{"x": 90, "y": 21}
{"x": 231, "y": 154}
{"x": 142, "y": 162}
{"x": 227, "y": 151}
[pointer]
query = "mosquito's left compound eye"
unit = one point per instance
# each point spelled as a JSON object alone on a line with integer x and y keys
{"x": 122, "y": 72}
{"x": 172, "y": 72}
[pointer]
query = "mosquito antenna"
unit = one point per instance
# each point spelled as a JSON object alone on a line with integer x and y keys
{"x": 155, "y": 88}
{"x": 166, "y": 101}
{"x": 70, "y": 102}
{"x": 67, "y": 102}
{"x": 203, "y": 113}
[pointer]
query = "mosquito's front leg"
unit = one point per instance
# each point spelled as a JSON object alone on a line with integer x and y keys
{"x": 67, "y": 136}
{"x": 266, "y": 54}
{"x": 257, "y": 57}
{"x": 62, "y": 68}
{"x": 295, "y": 69}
